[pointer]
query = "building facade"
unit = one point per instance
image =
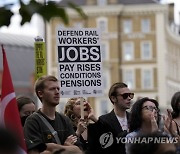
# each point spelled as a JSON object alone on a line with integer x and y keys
{"x": 138, "y": 47}
{"x": 20, "y": 56}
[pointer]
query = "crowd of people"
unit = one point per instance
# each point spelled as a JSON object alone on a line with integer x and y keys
{"x": 47, "y": 131}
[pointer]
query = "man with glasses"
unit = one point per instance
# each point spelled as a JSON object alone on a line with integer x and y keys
{"x": 104, "y": 134}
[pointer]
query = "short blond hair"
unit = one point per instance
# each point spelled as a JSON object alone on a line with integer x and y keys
{"x": 40, "y": 83}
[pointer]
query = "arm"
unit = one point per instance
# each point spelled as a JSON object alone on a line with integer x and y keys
{"x": 154, "y": 125}
{"x": 52, "y": 147}
{"x": 81, "y": 127}
{"x": 33, "y": 135}
{"x": 69, "y": 135}
{"x": 91, "y": 115}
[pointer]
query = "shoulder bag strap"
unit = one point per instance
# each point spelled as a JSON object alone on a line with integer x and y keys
{"x": 54, "y": 133}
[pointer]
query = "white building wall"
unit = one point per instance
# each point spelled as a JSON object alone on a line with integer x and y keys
{"x": 173, "y": 64}
{"x": 161, "y": 49}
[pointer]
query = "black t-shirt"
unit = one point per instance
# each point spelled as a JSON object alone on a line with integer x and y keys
{"x": 37, "y": 133}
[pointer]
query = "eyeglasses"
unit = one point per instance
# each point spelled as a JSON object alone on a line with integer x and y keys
{"x": 126, "y": 95}
{"x": 151, "y": 108}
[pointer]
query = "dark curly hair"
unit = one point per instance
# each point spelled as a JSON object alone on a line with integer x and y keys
{"x": 136, "y": 113}
{"x": 175, "y": 104}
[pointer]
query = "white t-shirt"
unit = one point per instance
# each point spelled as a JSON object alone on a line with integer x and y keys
{"x": 123, "y": 122}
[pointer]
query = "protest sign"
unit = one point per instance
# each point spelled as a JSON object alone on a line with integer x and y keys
{"x": 79, "y": 62}
{"x": 40, "y": 58}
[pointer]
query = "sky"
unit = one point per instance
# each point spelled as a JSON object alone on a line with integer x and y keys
{"x": 176, "y": 9}
{"x": 31, "y": 29}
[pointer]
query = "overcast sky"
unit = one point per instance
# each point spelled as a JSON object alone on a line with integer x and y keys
{"x": 176, "y": 9}
{"x": 31, "y": 28}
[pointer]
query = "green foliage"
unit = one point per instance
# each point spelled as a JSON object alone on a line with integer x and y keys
{"x": 53, "y": 11}
{"x": 47, "y": 11}
{"x": 78, "y": 9}
{"x": 5, "y": 16}
{"x": 27, "y": 11}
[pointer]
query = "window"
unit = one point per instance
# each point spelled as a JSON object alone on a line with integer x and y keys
{"x": 127, "y": 26}
{"x": 78, "y": 25}
{"x": 101, "y": 2}
{"x": 103, "y": 107}
{"x": 128, "y": 78}
{"x": 102, "y": 24}
{"x": 105, "y": 50}
{"x": 147, "y": 79}
{"x": 146, "y": 50}
{"x": 128, "y": 51}
{"x": 145, "y": 25}
{"x": 106, "y": 79}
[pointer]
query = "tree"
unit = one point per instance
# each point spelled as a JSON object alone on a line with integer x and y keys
{"x": 47, "y": 11}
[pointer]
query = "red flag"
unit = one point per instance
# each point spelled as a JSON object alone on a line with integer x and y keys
{"x": 9, "y": 114}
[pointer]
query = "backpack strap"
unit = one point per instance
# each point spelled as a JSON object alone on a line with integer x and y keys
{"x": 53, "y": 132}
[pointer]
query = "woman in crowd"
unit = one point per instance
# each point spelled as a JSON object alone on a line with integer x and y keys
{"x": 175, "y": 104}
{"x": 154, "y": 147}
{"x": 144, "y": 118}
{"x": 73, "y": 111}
{"x": 26, "y": 107}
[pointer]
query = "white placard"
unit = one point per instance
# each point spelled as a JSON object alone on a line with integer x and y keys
{"x": 79, "y": 62}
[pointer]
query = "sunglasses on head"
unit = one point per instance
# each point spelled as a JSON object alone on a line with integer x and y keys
{"x": 126, "y": 95}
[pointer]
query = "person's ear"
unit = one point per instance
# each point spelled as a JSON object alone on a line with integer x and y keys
{"x": 113, "y": 99}
{"x": 40, "y": 94}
